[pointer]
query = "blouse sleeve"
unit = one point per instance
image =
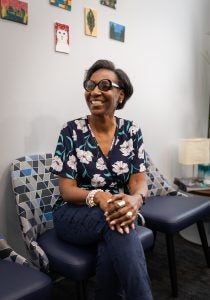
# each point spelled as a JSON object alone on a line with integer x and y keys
{"x": 64, "y": 162}
{"x": 138, "y": 161}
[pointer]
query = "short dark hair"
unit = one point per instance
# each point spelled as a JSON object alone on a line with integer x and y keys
{"x": 124, "y": 81}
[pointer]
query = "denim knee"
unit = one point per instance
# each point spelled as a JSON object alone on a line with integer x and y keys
{"x": 78, "y": 224}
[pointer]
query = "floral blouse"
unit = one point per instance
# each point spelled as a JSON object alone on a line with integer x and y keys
{"x": 78, "y": 156}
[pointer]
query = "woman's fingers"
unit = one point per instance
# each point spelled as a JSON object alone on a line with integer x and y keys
{"x": 117, "y": 212}
{"x": 120, "y": 212}
{"x": 114, "y": 203}
{"x": 125, "y": 229}
{"x": 121, "y": 217}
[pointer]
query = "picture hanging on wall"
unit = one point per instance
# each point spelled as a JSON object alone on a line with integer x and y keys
{"x": 110, "y": 3}
{"x": 90, "y": 21}
{"x": 116, "y": 31}
{"x": 61, "y": 37}
{"x": 14, "y": 10}
{"x": 65, "y": 4}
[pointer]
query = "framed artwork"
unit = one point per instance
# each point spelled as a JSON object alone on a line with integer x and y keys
{"x": 14, "y": 10}
{"x": 90, "y": 21}
{"x": 65, "y": 4}
{"x": 116, "y": 31}
{"x": 110, "y": 3}
{"x": 61, "y": 38}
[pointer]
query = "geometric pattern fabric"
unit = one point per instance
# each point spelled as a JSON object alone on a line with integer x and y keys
{"x": 158, "y": 185}
{"x": 36, "y": 192}
{"x": 7, "y": 253}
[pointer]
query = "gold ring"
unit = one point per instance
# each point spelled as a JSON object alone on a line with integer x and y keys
{"x": 121, "y": 203}
{"x": 129, "y": 214}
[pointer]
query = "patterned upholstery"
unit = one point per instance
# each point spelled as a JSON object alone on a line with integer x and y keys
{"x": 7, "y": 253}
{"x": 36, "y": 191}
{"x": 158, "y": 185}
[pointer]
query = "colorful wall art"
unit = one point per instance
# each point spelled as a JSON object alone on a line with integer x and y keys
{"x": 14, "y": 10}
{"x": 61, "y": 38}
{"x": 91, "y": 22}
{"x": 65, "y": 4}
{"x": 110, "y": 3}
{"x": 116, "y": 31}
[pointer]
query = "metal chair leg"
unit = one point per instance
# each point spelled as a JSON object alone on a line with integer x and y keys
{"x": 204, "y": 241}
{"x": 172, "y": 264}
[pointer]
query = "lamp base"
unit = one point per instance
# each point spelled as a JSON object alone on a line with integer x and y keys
{"x": 204, "y": 172}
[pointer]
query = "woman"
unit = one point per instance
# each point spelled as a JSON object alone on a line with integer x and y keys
{"x": 100, "y": 162}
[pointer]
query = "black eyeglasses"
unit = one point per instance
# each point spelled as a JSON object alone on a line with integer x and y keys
{"x": 104, "y": 85}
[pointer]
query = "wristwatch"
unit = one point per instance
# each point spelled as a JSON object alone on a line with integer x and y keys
{"x": 143, "y": 198}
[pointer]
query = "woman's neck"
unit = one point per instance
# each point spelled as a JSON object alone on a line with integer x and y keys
{"x": 102, "y": 123}
{"x": 103, "y": 130}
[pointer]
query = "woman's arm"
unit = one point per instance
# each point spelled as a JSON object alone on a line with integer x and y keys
{"x": 138, "y": 186}
{"x": 116, "y": 214}
{"x": 70, "y": 192}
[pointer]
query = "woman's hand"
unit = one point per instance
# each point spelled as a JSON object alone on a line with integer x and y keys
{"x": 122, "y": 210}
{"x": 102, "y": 200}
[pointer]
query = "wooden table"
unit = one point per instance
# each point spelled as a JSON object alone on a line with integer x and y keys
{"x": 201, "y": 193}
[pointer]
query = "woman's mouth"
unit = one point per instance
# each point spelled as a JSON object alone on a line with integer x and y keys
{"x": 96, "y": 102}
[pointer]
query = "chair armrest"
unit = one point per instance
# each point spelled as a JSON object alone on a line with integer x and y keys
{"x": 7, "y": 253}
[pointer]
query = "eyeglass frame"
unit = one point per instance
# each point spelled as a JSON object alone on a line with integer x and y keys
{"x": 111, "y": 85}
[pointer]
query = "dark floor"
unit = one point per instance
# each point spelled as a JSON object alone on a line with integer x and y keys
{"x": 193, "y": 275}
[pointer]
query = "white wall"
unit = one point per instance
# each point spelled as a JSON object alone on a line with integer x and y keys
{"x": 40, "y": 89}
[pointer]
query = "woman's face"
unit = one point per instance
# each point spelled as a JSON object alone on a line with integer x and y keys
{"x": 104, "y": 102}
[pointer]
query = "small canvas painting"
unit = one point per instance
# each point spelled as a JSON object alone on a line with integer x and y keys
{"x": 61, "y": 38}
{"x": 90, "y": 22}
{"x": 65, "y": 4}
{"x": 110, "y": 3}
{"x": 116, "y": 31}
{"x": 14, "y": 10}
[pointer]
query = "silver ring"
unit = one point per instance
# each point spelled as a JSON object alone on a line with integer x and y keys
{"x": 129, "y": 214}
{"x": 121, "y": 203}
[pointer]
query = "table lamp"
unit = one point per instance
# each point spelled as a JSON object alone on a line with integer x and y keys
{"x": 194, "y": 151}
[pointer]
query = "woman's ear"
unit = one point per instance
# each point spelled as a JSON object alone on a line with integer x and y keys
{"x": 121, "y": 96}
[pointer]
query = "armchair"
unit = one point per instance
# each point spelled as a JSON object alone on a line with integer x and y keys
{"x": 36, "y": 192}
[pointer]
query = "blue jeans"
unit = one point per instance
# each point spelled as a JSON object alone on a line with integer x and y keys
{"x": 121, "y": 266}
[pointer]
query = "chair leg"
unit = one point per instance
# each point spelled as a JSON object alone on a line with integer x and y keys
{"x": 155, "y": 236}
{"x": 172, "y": 264}
{"x": 81, "y": 290}
{"x": 204, "y": 241}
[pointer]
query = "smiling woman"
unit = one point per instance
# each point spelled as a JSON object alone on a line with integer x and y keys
{"x": 100, "y": 163}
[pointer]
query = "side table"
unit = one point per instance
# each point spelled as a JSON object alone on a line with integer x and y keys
{"x": 201, "y": 193}
{"x": 191, "y": 233}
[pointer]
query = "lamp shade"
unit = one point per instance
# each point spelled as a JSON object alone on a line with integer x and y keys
{"x": 194, "y": 151}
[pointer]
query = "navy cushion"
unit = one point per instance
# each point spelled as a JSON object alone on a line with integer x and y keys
{"x": 146, "y": 236}
{"x": 170, "y": 214}
{"x": 78, "y": 262}
{"x": 22, "y": 282}
{"x": 74, "y": 262}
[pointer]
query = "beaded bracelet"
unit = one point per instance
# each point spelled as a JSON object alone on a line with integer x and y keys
{"x": 90, "y": 197}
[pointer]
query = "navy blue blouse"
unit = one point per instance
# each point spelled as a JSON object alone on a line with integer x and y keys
{"x": 78, "y": 156}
